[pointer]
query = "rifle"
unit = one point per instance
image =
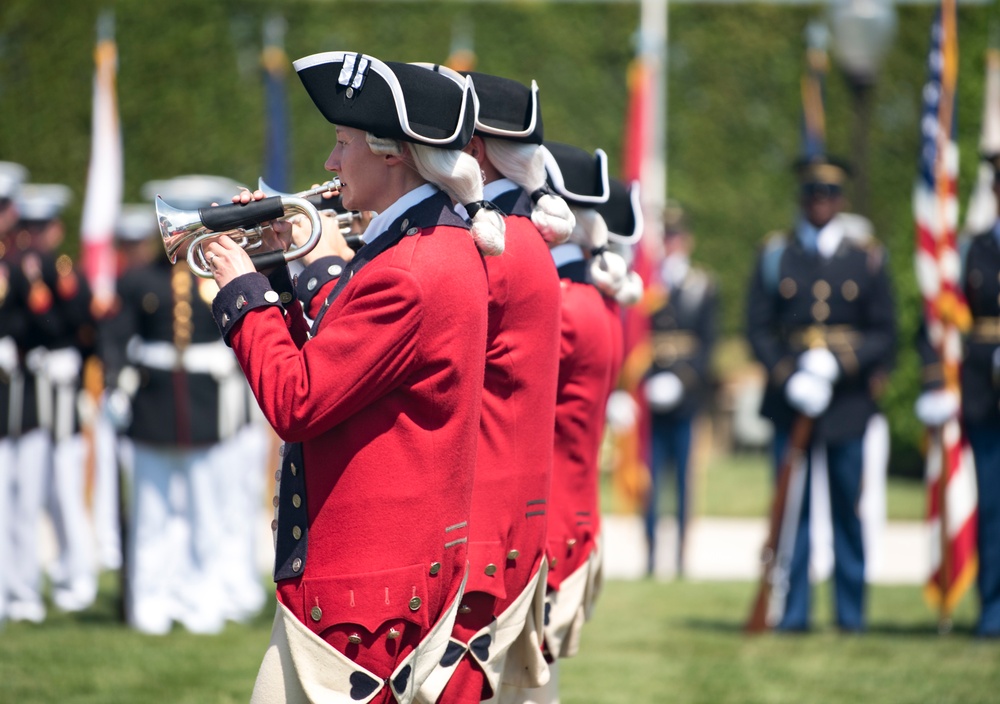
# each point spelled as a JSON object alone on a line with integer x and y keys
{"x": 783, "y": 526}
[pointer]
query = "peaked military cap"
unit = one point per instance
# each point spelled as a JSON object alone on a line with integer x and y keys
{"x": 136, "y": 222}
{"x": 192, "y": 191}
{"x": 824, "y": 169}
{"x": 11, "y": 177}
{"x": 622, "y": 212}
{"x": 389, "y": 99}
{"x": 41, "y": 202}
{"x": 580, "y": 177}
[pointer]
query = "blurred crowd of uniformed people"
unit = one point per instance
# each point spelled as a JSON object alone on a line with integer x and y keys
{"x": 131, "y": 413}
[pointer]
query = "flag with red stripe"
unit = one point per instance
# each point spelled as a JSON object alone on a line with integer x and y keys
{"x": 950, "y": 476}
{"x": 102, "y": 202}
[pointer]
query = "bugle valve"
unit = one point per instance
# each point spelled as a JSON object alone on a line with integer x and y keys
{"x": 345, "y": 218}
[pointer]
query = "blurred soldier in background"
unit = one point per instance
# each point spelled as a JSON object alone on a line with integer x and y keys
{"x": 683, "y": 312}
{"x": 821, "y": 320}
{"x": 59, "y": 333}
{"x": 165, "y": 366}
{"x": 137, "y": 244}
{"x": 980, "y": 403}
{"x": 12, "y": 316}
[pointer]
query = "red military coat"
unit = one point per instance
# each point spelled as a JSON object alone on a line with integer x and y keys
{"x": 509, "y": 518}
{"x": 585, "y": 362}
{"x": 385, "y": 401}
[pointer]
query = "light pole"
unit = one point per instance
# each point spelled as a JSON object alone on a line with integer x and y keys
{"x": 862, "y": 31}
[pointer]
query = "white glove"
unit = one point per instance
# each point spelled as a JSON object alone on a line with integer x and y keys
{"x": 809, "y": 394}
{"x": 934, "y": 408}
{"x": 821, "y": 362}
{"x": 117, "y": 409}
{"x": 664, "y": 392}
{"x": 8, "y": 355}
{"x": 621, "y": 411}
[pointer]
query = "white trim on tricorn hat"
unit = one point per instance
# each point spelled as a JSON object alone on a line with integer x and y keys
{"x": 623, "y": 212}
{"x": 503, "y": 105}
{"x": 355, "y": 90}
{"x": 40, "y": 202}
{"x": 576, "y": 175}
{"x": 12, "y": 175}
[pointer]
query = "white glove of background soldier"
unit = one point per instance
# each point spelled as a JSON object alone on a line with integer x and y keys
{"x": 935, "y": 408}
{"x": 821, "y": 362}
{"x": 621, "y": 411}
{"x": 808, "y": 393}
{"x": 664, "y": 392}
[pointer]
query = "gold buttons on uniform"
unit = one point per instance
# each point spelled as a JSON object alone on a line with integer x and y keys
{"x": 393, "y": 634}
{"x": 286, "y": 297}
{"x": 490, "y": 570}
{"x": 821, "y": 290}
{"x": 571, "y": 542}
{"x": 849, "y": 290}
{"x": 295, "y": 470}
{"x": 553, "y": 562}
{"x": 513, "y": 555}
{"x": 820, "y": 311}
{"x": 415, "y": 603}
{"x": 315, "y": 613}
{"x": 277, "y": 475}
{"x": 354, "y": 638}
{"x": 787, "y": 287}
{"x": 463, "y": 609}
{"x": 296, "y": 532}
{"x": 296, "y": 500}
{"x": 435, "y": 567}
{"x": 296, "y": 564}
{"x": 274, "y": 501}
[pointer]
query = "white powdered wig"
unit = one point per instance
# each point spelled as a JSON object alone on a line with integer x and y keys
{"x": 608, "y": 270}
{"x": 457, "y": 174}
{"x": 631, "y": 291}
{"x": 524, "y": 164}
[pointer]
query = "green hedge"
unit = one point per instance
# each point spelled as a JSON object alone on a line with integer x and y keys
{"x": 191, "y": 102}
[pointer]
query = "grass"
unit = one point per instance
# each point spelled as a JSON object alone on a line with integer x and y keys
{"x": 649, "y": 642}
{"x": 740, "y": 485}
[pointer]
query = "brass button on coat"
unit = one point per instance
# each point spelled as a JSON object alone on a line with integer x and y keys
{"x": 295, "y": 470}
{"x": 296, "y": 500}
{"x": 393, "y": 634}
{"x": 296, "y": 564}
{"x": 296, "y": 532}
{"x": 315, "y": 613}
{"x": 354, "y": 638}
{"x": 490, "y": 570}
{"x": 415, "y": 603}
{"x": 435, "y": 567}
{"x": 513, "y": 555}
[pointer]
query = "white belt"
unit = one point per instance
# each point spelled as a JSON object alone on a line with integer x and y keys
{"x": 202, "y": 358}
{"x": 55, "y": 370}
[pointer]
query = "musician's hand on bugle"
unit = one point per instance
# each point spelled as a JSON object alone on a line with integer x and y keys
{"x": 227, "y": 260}
{"x": 275, "y": 234}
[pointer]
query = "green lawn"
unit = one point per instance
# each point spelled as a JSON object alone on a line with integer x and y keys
{"x": 649, "y": 642}
{"x": 740, "y": 486}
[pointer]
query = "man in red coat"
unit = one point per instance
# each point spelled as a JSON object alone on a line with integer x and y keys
{"x": 506, "y": 588}
{"x": 379, "y": 402}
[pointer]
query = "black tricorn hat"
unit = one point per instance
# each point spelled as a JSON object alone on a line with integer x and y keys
{"x": 821, "y": 168}
{"x": 580, "y": 177}
{"x": 389, "y": 99}
{"x": 622, "y": 212}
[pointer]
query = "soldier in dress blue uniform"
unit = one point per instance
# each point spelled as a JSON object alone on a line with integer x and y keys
{"x": 683, "y": 330}
{"x": 821, "y": 320}
{"x": 57, "y": 333}
{"x": 980, "y": 402}
{"x": 164, "y": 361}
{"x": 11, "y": 321}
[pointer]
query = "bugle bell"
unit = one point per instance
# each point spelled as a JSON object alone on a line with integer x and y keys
{"x": 239, "y": 221}
{"x": 345, "y": 218}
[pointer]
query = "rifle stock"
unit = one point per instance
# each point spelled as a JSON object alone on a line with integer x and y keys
{"x": 798, "y": 444}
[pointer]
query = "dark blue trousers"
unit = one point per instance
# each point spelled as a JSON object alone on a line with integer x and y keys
{"x": 670, "y": 443}
{"x": 844, "y": 467}
{"x": 985, "y": 442}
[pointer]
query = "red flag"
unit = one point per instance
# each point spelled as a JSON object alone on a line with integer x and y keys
{"x": 102, "y": 202}
{"x": 950, "y": 476}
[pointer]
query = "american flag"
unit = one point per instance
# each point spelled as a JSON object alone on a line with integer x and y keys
{"x": 950, "y": 477}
